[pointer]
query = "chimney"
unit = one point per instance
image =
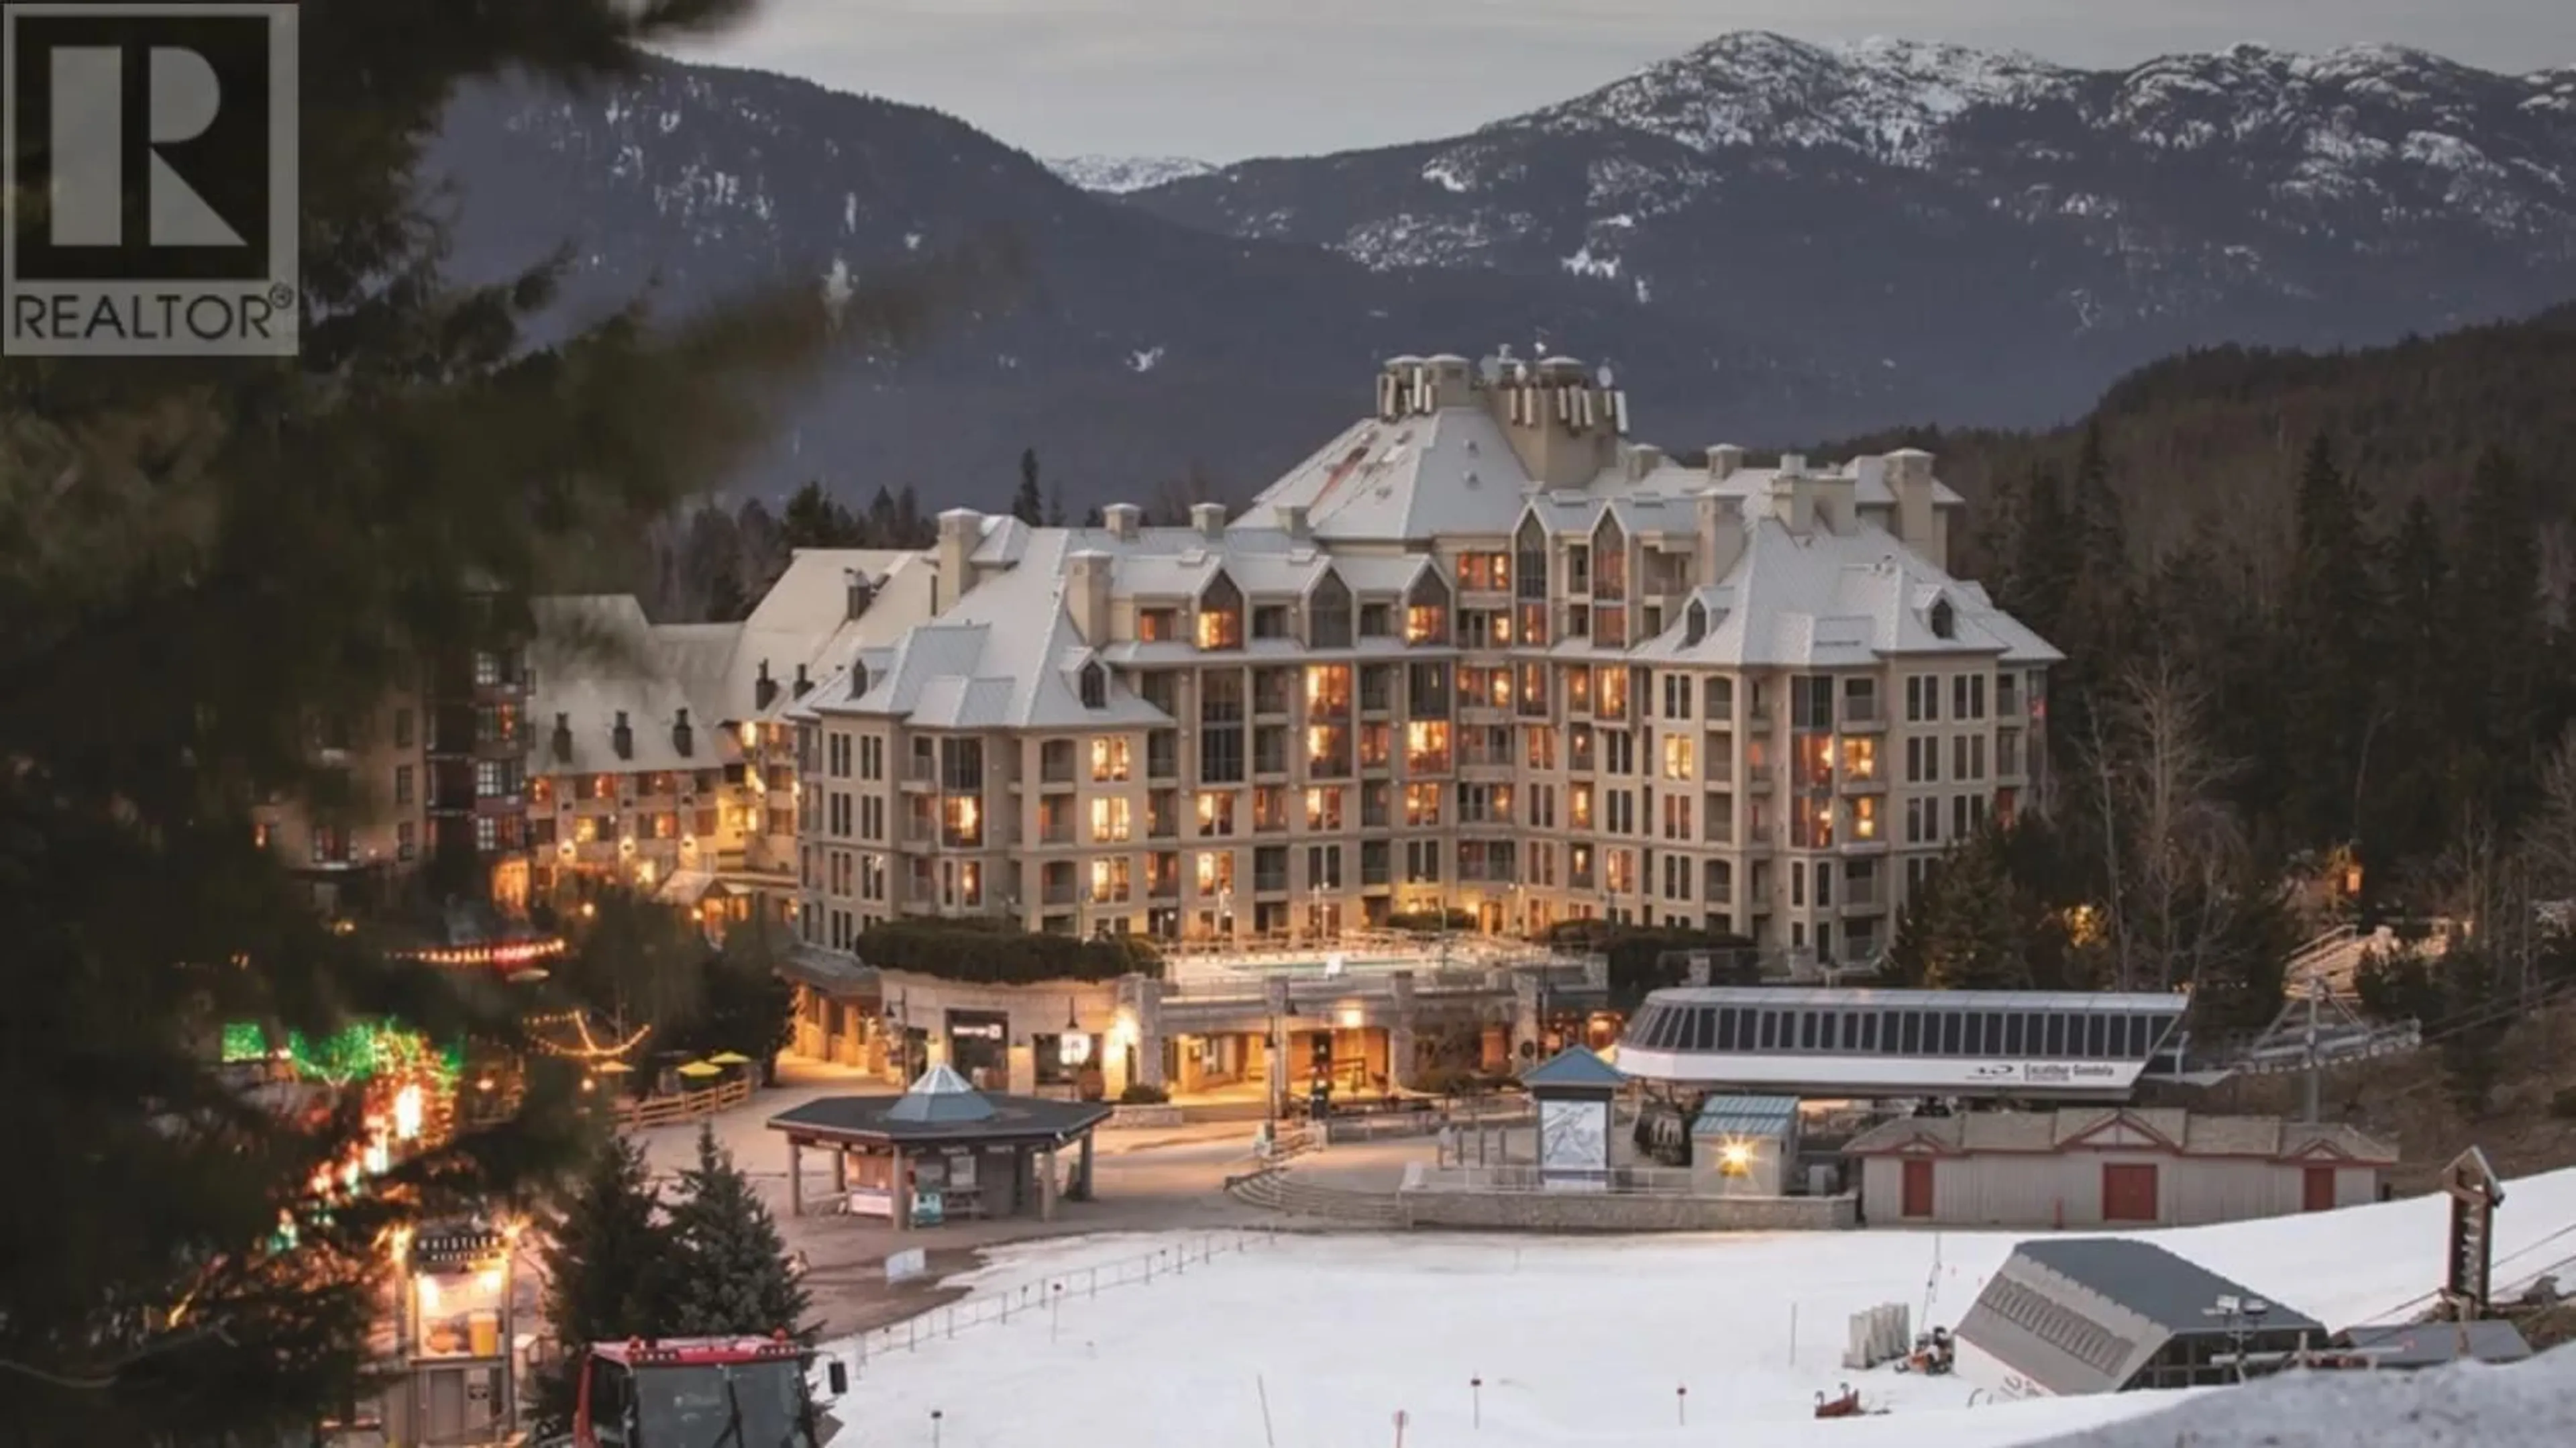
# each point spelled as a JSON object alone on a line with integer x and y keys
{"x": 683, "y": 738}
{"x": 858, "y": 590}
{"x": 803, "y": 684}
{"x": 1723, "y": 460}
{"x": 1122, "y": 520}
{"x": 1209, "y": 519}
{"x": 960, "y": 529}
{"x": 1796, "y": 495}
{"x": 563, "y": 739}
{"x": 1919, "y": 524}
{"x": 1721, "y": 537}
{"x": 1292, "y": 520}
{"x": 1793, "y": 465}
{"x": 764, "y": 690}
{"x": 1643, "y": 459}
{"x": 1086, "y": 595}
{"x": 621, "y": 737}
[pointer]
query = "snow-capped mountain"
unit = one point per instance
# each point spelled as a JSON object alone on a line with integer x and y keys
{"x": 2000, "y": 234}
{"x": 1118, "y": 175}
{"x": 1131, "y": 350}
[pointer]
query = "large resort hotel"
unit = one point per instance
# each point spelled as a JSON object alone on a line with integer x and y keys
{"x": 1480, "y": 653}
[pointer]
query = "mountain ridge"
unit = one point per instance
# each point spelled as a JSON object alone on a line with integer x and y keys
{"x": 1133, "y": 352}
{"x": 2057, "y": 225}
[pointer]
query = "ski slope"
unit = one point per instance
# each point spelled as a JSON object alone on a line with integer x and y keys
{"x": 1319, "y": 1341}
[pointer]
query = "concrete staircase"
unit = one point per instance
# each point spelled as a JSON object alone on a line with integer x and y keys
{"x": 1273, "y": 1189}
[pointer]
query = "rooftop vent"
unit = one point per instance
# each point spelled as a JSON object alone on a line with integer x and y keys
{"x": 764, "y": 690}
{"x": 1121, "y": 519}
{"x": 563, "y": 739}
{"x": 683, "y": 738}
{"x": 803, "y": 684}
{"x": 621, "y": 737}
{"x": 1208, "y": 519}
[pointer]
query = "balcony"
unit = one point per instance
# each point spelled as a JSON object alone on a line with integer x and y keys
{"x": 1863, "y": 714}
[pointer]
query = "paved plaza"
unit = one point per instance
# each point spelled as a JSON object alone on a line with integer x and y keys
{"x": 1147, "y": 1179}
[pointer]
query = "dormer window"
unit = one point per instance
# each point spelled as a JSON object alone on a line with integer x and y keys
{"x": 1945, "y": 619}
{"x": 1095, "y": 686}
{"x": 1694, "y": 623}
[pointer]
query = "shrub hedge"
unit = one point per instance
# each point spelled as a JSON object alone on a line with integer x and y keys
{"x": 990, "y": 952}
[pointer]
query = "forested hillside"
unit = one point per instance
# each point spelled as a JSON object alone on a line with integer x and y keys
{"x": 2317, "y": 615}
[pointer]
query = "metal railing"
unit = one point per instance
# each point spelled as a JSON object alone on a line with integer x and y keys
{"x": 1659, "y": 1181}
{"x": 1053, "y": 1294}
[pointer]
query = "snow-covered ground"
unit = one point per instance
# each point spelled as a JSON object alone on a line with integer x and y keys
{"x": 1585, "y": 1341}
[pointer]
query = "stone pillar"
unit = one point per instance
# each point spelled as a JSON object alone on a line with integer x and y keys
{"x": 1399, "y": 1034}
{"x": 1046, "y": 1185}
{"x": 1142, "y": 997}
{"x": 1526, "y": 1025}
{"x": 1023, "y": 1071}
{"x": 841, "y": 1170}
{"x": 795, "y": 1178}
{"x": 1275, "y": 1001}
{"x": 902, "y": 1192}
{"x": 1082, "y": 1172}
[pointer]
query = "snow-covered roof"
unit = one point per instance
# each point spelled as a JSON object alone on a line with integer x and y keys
{"x": 1006, "y": 656}
{"x": 597, "y": 656}
{"x": 1828, "y": 599}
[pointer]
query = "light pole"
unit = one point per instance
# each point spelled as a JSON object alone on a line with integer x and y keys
{"x": 2240, "y": 1318}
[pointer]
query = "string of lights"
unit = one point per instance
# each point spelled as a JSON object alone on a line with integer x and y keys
{"x": 591, "y": 1048}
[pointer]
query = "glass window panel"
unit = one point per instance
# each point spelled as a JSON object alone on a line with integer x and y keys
{"x": 1726, "y": 1028}
{"x": 1953, "y": 1029}
{"x": 2012, "y": 1032}
{"x": 1703, "y": 1028}
{"x": 2055, "y": 1044}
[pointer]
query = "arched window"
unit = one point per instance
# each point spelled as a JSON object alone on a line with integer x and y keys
{"x": 1328, "y": 613}
{"x": 1095, "y": 686}
{"x": 1945, "y": 619}
{"x": 1694, "y": 623}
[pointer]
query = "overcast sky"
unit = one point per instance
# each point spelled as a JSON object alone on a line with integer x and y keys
{"x": 1225, "y": 79}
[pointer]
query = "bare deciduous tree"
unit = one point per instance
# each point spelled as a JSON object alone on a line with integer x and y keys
{"x": 2549, "y": 839}
{"x": 2171, "y": 844}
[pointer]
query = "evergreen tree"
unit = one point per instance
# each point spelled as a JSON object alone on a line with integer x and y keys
{"x": 1964, "y": 928}
{"x": 1029, "y": 503}
{"x": 2407, "y": 762}
{"x": 2505, "y": 643}
{"x": 1055, "y": 514}
{"x": 229, "y": 550}
{"x": 1975, "y": 939}
{"x": 909, "y": 527}
{"x": 815, "y": 520}
{"x": 609, "y": 1269}
{"x": 1093, "y": 517}
{"x": 2475, "y": 1022}
{"x": 2332, "y": 623}
{"x": 734, "y": 1276}
{"x": 883, "y": 528}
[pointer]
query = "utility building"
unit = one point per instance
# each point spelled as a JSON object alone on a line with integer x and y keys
{"x": 2101, "y": 1166}
{"x": 2075, "y": 1315}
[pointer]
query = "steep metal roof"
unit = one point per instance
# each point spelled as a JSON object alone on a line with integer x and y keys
{"x": 1574, "y": 1066}
{"x": 2175, "y": 1293}
{"x": 940, "y": 1095}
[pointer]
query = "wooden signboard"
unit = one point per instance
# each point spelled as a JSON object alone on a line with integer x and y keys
{"x": 2475, "y": 1194}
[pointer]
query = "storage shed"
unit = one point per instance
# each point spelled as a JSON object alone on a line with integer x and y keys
{"x": 2067, "y": 1316}
{"x": 2109, "y": 1166}
{"x": 1744, "y": 1145}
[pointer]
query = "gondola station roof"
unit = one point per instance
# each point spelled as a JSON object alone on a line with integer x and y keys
{"x": 940, "y": 1109}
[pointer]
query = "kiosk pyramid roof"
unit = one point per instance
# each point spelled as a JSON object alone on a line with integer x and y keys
{"x": 940, "y": 1095}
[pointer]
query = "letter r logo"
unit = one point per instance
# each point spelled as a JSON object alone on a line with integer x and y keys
{"x": 89, "y": 147}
